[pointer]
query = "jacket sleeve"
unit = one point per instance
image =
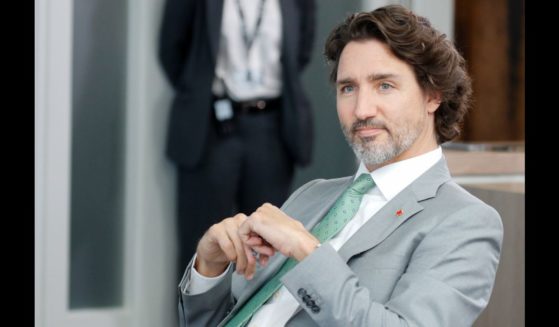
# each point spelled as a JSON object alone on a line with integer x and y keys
{"x": 447, "y": 282}
{"x": 308, "y": 27}
{"x": 211, "y": 307}
{"x": 204, "y": 309}
{"x": 174, "y": 37}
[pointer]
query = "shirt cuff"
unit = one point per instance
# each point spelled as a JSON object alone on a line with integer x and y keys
{"x": 199, "y": 284}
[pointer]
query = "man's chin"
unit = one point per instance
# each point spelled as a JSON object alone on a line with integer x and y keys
{"x": 366, "y": 142}
{"x": 373, "y": 154}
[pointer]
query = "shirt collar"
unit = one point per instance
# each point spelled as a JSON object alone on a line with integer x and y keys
{"x": 393, "y": 178}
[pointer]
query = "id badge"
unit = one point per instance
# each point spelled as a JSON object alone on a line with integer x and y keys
{"x": 223, "y": 109}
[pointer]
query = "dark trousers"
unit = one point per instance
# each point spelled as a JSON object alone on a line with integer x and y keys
{"x": 242, "y": 170}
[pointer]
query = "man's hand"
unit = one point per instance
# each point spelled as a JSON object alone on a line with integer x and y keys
{"x": 269, "y": 227}
{"x": 220, "y": 245}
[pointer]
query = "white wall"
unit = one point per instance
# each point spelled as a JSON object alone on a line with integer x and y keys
{"x": 52, "y": 121}
{"x": 151, "y": 188}
{"x": 150, "y": 202}
{"x": 439, "y": 12}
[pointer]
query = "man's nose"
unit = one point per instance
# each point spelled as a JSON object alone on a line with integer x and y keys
{"x": 366, "y": 105}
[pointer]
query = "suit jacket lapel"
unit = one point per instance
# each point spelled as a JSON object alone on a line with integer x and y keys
{"x": 382, "y": 224}
{"x": 214, "y": 16}
{"x": 401, "y": 208}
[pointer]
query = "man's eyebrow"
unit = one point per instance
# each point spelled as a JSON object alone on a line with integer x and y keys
{"x": 344, "y": 81}
{"x": 371, "y": 77}
{"x": 380, "y": 76}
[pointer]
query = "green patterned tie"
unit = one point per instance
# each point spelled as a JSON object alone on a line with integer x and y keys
{"x": 343, "y": 210}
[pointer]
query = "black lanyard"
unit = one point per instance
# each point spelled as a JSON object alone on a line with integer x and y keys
{"x": 246, "y": 38}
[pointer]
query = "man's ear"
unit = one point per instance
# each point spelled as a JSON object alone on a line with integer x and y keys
{"x": 434, "y": 99}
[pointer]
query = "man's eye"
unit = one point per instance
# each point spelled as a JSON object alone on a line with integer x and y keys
{"x": 347, "y": 89}
{"x": 385, "y": 86}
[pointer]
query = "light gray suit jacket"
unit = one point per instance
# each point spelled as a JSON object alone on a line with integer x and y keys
{"x": 427, "y": 258}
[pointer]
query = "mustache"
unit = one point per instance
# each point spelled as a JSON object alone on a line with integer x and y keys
{"x": 371, "y": 122}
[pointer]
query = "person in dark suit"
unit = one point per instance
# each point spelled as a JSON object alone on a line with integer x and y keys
{"x": 240, "y": 120}
{"x": 397, "y": 244}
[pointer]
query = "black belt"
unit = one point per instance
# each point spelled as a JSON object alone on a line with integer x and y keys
{"x": 256, "y": 106}
{"x": 240, "y": 108}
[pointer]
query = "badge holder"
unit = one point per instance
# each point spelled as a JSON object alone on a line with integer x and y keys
{"x": 224, "y": 116}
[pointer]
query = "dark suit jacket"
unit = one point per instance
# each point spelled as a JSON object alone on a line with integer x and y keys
{"x": 188, "y": 45}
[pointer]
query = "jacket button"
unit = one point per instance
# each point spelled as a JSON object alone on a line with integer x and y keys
{"x": 315, "y": 309}
{"x": 302, "y": 292}
{"x": 306, "y": 298}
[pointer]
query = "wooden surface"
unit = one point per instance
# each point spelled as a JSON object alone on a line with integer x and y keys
{"x": 490, "y": 35}
{"x": 518, "y": 188}
{"x": 484, "y": 162}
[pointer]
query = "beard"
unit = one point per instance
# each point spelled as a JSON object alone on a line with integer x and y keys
{"x": 374, "y": 153}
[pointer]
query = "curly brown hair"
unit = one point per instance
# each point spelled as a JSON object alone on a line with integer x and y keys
{"x": 437, "y": 64}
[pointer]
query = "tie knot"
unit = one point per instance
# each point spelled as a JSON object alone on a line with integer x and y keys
{"x": 363, "y": 184}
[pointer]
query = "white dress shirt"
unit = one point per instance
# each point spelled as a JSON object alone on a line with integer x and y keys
{"x": 389, "y": 180}
{"x": 263, "y": 60}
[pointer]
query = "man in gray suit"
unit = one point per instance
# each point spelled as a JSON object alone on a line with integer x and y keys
{"x": 417, "y": 249}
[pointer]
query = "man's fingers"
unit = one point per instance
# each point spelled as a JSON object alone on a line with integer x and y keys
{"x": 254, "y": 240}
{"x": 264, "y": 249}
{"x": 245, "y": 230}
{"x": 251, "y": 263}
{"x": 227, "y": 247}
{"x": 227, "y": 238}
{"x": 264, "y": 259}
{"x": 233, "y": 235}
{"x": 241, "y": 260}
